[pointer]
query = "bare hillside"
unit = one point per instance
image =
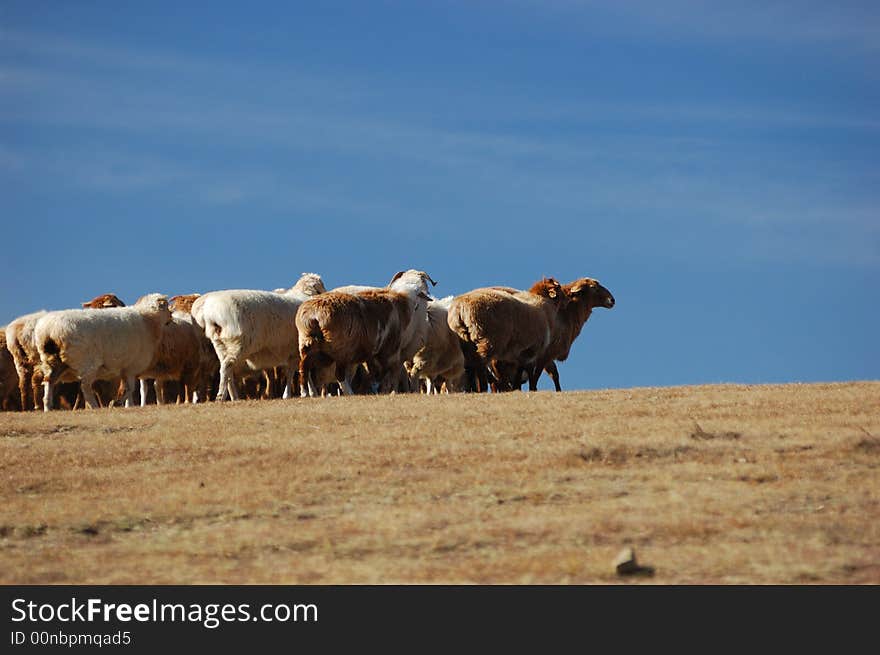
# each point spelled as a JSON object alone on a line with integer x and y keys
{"x": 712, "y": 484}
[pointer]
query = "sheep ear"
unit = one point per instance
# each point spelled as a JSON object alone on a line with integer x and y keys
{"x": 85, "y": 304}
{"x": 431, "y": 280}
{"x": 396, "y": 275}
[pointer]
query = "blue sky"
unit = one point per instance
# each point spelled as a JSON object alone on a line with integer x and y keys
{"x": 715, "y": 165}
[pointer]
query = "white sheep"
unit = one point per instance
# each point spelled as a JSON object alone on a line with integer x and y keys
{"x": 9, "y": 391}
{"x": 110, "y": 344}
{"x": 254, "y": 328}
{"x": 440, "y": 359}
{"x": 20, "y": 342}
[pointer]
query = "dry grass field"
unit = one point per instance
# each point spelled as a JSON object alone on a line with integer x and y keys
{"x": 713, "y": 484}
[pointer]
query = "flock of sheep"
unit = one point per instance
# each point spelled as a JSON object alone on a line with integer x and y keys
{"x": 299, "y": 341}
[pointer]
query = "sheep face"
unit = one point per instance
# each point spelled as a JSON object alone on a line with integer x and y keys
{"x": 310, "y": 284}
{"x": 411, "y": 274}
{"x": 183, "y": 303}
{"x": 155, "y": 303}
{"x": 103, "y": 301}
{"x": 412, "y": 281}
{"x": 551, "y": 289}
{"x": 590, "y": 291}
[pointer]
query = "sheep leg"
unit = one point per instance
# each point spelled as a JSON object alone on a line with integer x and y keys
{"x": 87, "y": 392}
{"x": 269, "y": 389}
{"x": 49, "y": 381}
{"x": 389, "y": 379}
{"x": 201, "y": 387}
{"x": 306, "y": 386}
{"x": 159, "y": 388}
{"x": 429, "y": 386}
{"x": 376, "y": 376}
{"x": 521, "y": 374}
{"x": 287, "y": 371}
{"x": 344, "y": 376}
{"x": 309, "y": 372}
{"x": 48, "y": 393}
{"x": 553, "y": 372}
{"x": 189, "y": 382}
{"x": 481, "y": 378}
{"x": 24, "y": 386}
{"x": 233, "y": 389}
{"x": 143, "y": 392}
{"x": 499, "y": 372}
{"x": 129, "y": 381}
{"x": 36, "y": 384}
{"x": 225, "y": 371}
{"x": 410, "y": 383}
{"x": 534, "y": 374}
{"x": 305, "y": 375}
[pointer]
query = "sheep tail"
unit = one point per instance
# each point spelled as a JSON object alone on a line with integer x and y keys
{"x": 313, "y": 335}
{"x": 51, "y": 347}
{"x": 51, "y": 355}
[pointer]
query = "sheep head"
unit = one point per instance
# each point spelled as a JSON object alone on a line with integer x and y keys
{"x": 412, "y": 273}
{"x": 184, "y": 302}
{"x": 588, "y": 290}
{"x": 155, "y": 303}
{"x": 310, "y": 284}
{"x": 550, "y": 288}
{"x": 103, "y": 301}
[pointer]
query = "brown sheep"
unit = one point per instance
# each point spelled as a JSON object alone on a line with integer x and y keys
{"x": 413, "y": 338}
{"x": 342, "y": 330}
{"x": 178, "y": 358}
{"x": 362, "y": 326}
{"x": 9, "y": 391}
{"x": 183, "y": 303}
{"x": 507, "y": 330}
{"x": 209, "y": 366}
{"x": 103, "y": 301}
{"x": 20, "y": 342}
{"x": 583, "y": 296}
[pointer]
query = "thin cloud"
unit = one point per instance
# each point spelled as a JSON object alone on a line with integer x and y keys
{"x": 572, "y": 173}
{"x": 844, "y": 25}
